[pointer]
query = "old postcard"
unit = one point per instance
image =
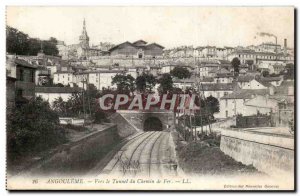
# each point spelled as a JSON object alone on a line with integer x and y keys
{"x": 150, "y": 98}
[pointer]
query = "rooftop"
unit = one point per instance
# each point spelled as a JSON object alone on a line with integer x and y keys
{"x": 24, "y": 63}
{"x": 245, "y": 93}
{"x": 57, "y": 89}
{"x": 207, "y": 79}
{"x": 216, "y": 87}
{"x": 270, "y": 79}
{"x": 246, "y": 78}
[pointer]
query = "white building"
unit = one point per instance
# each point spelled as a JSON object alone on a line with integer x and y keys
{"x": 248, "y": 56}
{"x": 252, "y": 85}
{"x": 216, "y": 90}
{"x": 224, "y": 78}
{"x": 50, "y": 94}
{"x": 101, "y": 79}
{"x": 208, "y": 70}
{"x": 184, "y": 83}
{"x": 273, "y": 66}
{"x": 167, "y": 68}
{"x": 64, "y": 77}
{"x": 235, "y": 103}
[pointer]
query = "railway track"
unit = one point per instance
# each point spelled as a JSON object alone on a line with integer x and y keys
{"x": 145, "y": 155}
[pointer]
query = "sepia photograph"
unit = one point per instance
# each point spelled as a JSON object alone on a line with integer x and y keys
{"x": 150, "y": 98}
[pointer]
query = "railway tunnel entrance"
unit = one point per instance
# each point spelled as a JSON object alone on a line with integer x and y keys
{"x": 153, "y": 124}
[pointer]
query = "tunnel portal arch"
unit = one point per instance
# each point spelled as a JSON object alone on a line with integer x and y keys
{"x": 153, "y": 124}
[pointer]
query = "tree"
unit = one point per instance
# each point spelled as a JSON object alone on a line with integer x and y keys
{"x": 49, "y": 47}
{"x": 166, "y": 83}
{"x": 59, "y": 85}
{"x": 265, "y": 73}
{"x": 20, "y": 43}
{"x": 181, "y": 72}
{"x": 125, "y": 83}
{"x": 33, "y": 127}
{"x": 236, "y": 65}
{"x": 145, "y": 83}
{"x": 93, "y": 92}
{"x": 212, "y": 105}
{"x": 60, "y": 106}
{"x": 16, "y": 41}
{"x": 289, "y": 71}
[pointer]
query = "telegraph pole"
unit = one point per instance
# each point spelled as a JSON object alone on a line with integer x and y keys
{"x": 200, "y": 111}
{"x": 83, "y": 100}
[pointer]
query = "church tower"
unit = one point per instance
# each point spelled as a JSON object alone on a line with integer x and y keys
{"x": 84, "y": 38}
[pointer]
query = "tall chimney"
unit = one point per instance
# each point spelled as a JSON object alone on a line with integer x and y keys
{"x": 285, "y": 43}
{"x": 285, "y": 46}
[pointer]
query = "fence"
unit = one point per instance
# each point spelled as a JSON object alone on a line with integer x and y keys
{"x": 253, "y": 121}
{"x": 72, "y": 121}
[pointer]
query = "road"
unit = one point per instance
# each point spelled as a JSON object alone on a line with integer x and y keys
{"x": 148, "y": 154}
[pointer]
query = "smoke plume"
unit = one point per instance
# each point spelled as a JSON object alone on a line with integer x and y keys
{"x": 266, "y": 34}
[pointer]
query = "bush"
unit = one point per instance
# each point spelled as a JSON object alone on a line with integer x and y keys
{"x": 99, "y": 117}
{"x": 76, "y": 127}
{"x": 33, "y": 127}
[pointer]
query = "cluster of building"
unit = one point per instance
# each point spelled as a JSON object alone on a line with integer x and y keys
{"x": 139, "y": 49}
{"x": 212, "y": 73}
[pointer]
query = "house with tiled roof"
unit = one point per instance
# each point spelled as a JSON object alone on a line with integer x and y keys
{"x": 22, "y": 75}
{"x": 224, "y": 78}
{"x": 139, "y": 43}
{"x": 216, "y": 90}
{"x": 234, "y": 103}
{"x": 139, "y": 49}
{"x": 207, "y": 80}
{"x": 250, "y": 82}
{"x": 270, "y": 81}
{"x": 206, "y": 70}
{"x": 279, "y": 103}
{"x": 184, "y": 83}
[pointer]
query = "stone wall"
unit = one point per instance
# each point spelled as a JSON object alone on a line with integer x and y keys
{"x": 218, "y": 126}
{"x": 79, "y": 156}
{"x": 268, "y": 152}
{"x": 253, "y": 121}
{"x": 125, "y": 128}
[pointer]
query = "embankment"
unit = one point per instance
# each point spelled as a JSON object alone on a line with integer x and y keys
{"x": 79, "y": 156}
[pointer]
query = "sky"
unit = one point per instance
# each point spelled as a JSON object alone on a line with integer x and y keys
{"x": 167, "y": 26}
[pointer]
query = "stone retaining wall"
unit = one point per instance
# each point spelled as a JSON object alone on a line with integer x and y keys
{"x": 269, "y": 153}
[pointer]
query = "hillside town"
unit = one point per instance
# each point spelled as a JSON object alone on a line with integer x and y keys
{"x": 264, "y": 82}
{"x": 56, "y": 93}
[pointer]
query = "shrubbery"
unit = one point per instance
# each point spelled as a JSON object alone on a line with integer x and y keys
{"x": 33, "y": 127}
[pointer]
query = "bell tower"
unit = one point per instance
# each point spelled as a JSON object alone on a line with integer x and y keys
{"x": 84, "y": 38}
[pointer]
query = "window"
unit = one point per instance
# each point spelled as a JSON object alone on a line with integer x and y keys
{"x": 21, "y": 75}
{"x": 19, "y": 93}
{"x": 32, "y": 75}
{"x": 226, "y": 113}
